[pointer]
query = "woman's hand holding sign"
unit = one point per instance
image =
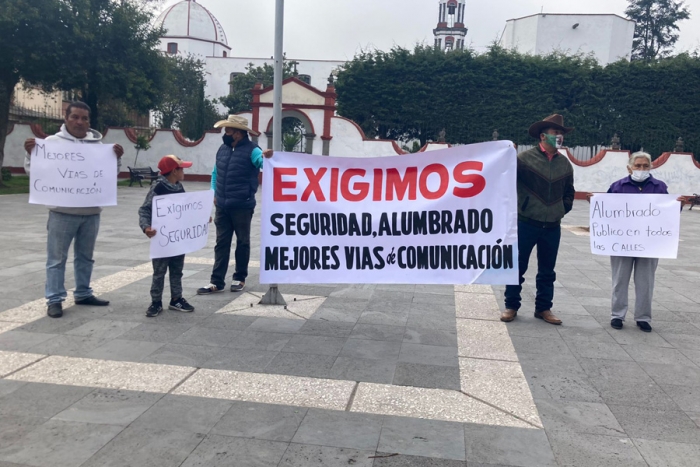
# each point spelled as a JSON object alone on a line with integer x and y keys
{"x": 150, "y": 233}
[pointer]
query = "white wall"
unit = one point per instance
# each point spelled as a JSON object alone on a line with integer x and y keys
{"x": 521, "y": 35}
{"x": 347, "y": 142}
{"x": 201, "y": 49}
{"x": 607, "y": 37}
{"x": 679, "y": 172}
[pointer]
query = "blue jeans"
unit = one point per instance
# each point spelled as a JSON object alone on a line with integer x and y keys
{"x": 62, "y": 230}
{"x": 547, "y": 242}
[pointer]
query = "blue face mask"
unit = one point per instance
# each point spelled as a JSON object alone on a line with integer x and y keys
{"x": 228, "y": 140}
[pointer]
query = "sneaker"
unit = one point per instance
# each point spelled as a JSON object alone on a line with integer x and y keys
{"x": 237, "y": 286}
{"x": 55, "y": 310}
{"x": 181, "y": 305}
{"x": 616, "y": 323}
{"x": 154, "y": 310}
{"x": 92, "y": 301}
{"x": 644, "y": 326}
{"x": 211, "y": 288}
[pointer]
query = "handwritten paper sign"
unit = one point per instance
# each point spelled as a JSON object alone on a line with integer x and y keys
{"x": 446, "y": 219}
{"x": 637, "y": 225}
{"x": 182, "y": 223}
{"x": 73, "y": 175}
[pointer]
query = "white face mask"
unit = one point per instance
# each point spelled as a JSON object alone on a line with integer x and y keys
{"x": 560, "y": 141}
{"x": 640, "y": 175}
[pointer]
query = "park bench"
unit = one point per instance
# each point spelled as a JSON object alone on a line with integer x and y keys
{"x": 141, "y": 173}
{"x": 693, "y": 200}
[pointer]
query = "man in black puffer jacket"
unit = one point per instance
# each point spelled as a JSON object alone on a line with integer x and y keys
{"x": 235, "y": 182}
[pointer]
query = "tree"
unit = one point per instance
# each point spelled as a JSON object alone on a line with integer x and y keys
{"x": 657, "y": 24}
{"x": 142, "y": 144}
{"x": 240, "y": 99}
{"x": 34, "y": 34}
{"x": 414, "y": 94}
{"x": 113, "y": 54}
{"x": 184, "y": 104}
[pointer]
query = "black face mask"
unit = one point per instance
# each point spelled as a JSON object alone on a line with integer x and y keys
{"x": 228, "y": 140}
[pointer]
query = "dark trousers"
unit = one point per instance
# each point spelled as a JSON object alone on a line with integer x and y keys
{"x": 228, "y": 222}
{"x": 547, "y": 242}
{"x": 160, "y": 267}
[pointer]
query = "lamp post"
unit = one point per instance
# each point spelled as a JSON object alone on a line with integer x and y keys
{"x": 273, "y": 295}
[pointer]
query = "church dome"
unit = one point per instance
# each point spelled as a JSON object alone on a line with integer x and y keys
{"x": 189, "y": 19}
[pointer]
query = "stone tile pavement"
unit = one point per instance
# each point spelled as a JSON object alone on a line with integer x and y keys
{"x": 368, "y": 375}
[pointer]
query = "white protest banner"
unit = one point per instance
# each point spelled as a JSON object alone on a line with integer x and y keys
{"x": 181, "y": 221}
{"x": 444, "y": 217}
{"x": 637, "y": 225}
{"x": 73, "y": 175}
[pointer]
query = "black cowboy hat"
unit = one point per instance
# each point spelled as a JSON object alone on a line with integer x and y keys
{"x": 555, "y": 121}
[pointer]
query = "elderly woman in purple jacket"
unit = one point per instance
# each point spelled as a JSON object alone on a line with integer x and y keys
{"x": 640, "y": 181}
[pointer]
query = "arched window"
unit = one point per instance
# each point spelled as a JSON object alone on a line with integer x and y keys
{"x": 231, "y": 88}
{"x": 304, "y": 78}
{"x": 172, "y": 47}
{"x": 225, "y": 55}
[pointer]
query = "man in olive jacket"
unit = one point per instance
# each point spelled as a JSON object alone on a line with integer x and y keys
{"x": 545, "y": 196}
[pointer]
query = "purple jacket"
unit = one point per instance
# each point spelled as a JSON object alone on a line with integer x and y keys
{"x": 626, "y": 185}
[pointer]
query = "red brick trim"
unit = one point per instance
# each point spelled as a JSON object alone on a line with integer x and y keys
{"x": 255, "y": 105}
{"x": 661, "y": 160}
{"x": 425, "y": 146}
{"x": 188, "y": 177}
{"x": 598, "y": 157}
{"x": 16, "y": 170}
{"x": 294, "y": 109}
{"x": 398, "y": 149}
{"x": 359, "y": 129}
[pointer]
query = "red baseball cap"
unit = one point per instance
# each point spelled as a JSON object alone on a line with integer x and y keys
{"x": 169, "y": 163}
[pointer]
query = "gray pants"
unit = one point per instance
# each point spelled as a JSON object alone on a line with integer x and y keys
{"x": 160, "y": 267}
{"x": 644, "y": 270}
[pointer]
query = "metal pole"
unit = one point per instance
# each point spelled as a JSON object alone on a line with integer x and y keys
{"x": 273, "y": 296}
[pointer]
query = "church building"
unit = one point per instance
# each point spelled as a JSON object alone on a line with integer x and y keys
{"x": 192, "y": 29}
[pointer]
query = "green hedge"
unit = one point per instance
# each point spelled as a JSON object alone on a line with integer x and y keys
{"x": 415, "y": 94}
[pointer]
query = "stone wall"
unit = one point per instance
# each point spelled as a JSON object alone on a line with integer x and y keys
{"x": 679, "y": 170}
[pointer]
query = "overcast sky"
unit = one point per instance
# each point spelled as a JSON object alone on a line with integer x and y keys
{"x": 338, "y": 29}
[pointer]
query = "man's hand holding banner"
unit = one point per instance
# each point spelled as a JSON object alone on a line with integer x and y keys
{"x": 444, "y": 217}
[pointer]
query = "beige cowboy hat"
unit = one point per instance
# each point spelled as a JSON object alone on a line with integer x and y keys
{"x": 235, "y": 121}
{"x": 555, "y": 121}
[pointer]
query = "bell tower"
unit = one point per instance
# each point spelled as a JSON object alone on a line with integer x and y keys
{"x": 450, "y": 33}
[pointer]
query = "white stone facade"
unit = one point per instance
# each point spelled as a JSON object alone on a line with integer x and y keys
{"x": 220, "y": 71}
{"x": 607, "y": 37}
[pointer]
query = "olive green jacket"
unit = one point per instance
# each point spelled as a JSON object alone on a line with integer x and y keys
{"x": 545, "y": 189}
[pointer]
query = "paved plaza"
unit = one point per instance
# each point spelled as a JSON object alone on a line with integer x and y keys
{"x": 349, "y": 374}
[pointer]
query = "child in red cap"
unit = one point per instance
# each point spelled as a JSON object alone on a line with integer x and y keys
{"x": 171, "y": 173}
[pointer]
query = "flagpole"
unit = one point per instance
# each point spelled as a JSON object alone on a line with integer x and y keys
{"x": 273, "y": 295}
